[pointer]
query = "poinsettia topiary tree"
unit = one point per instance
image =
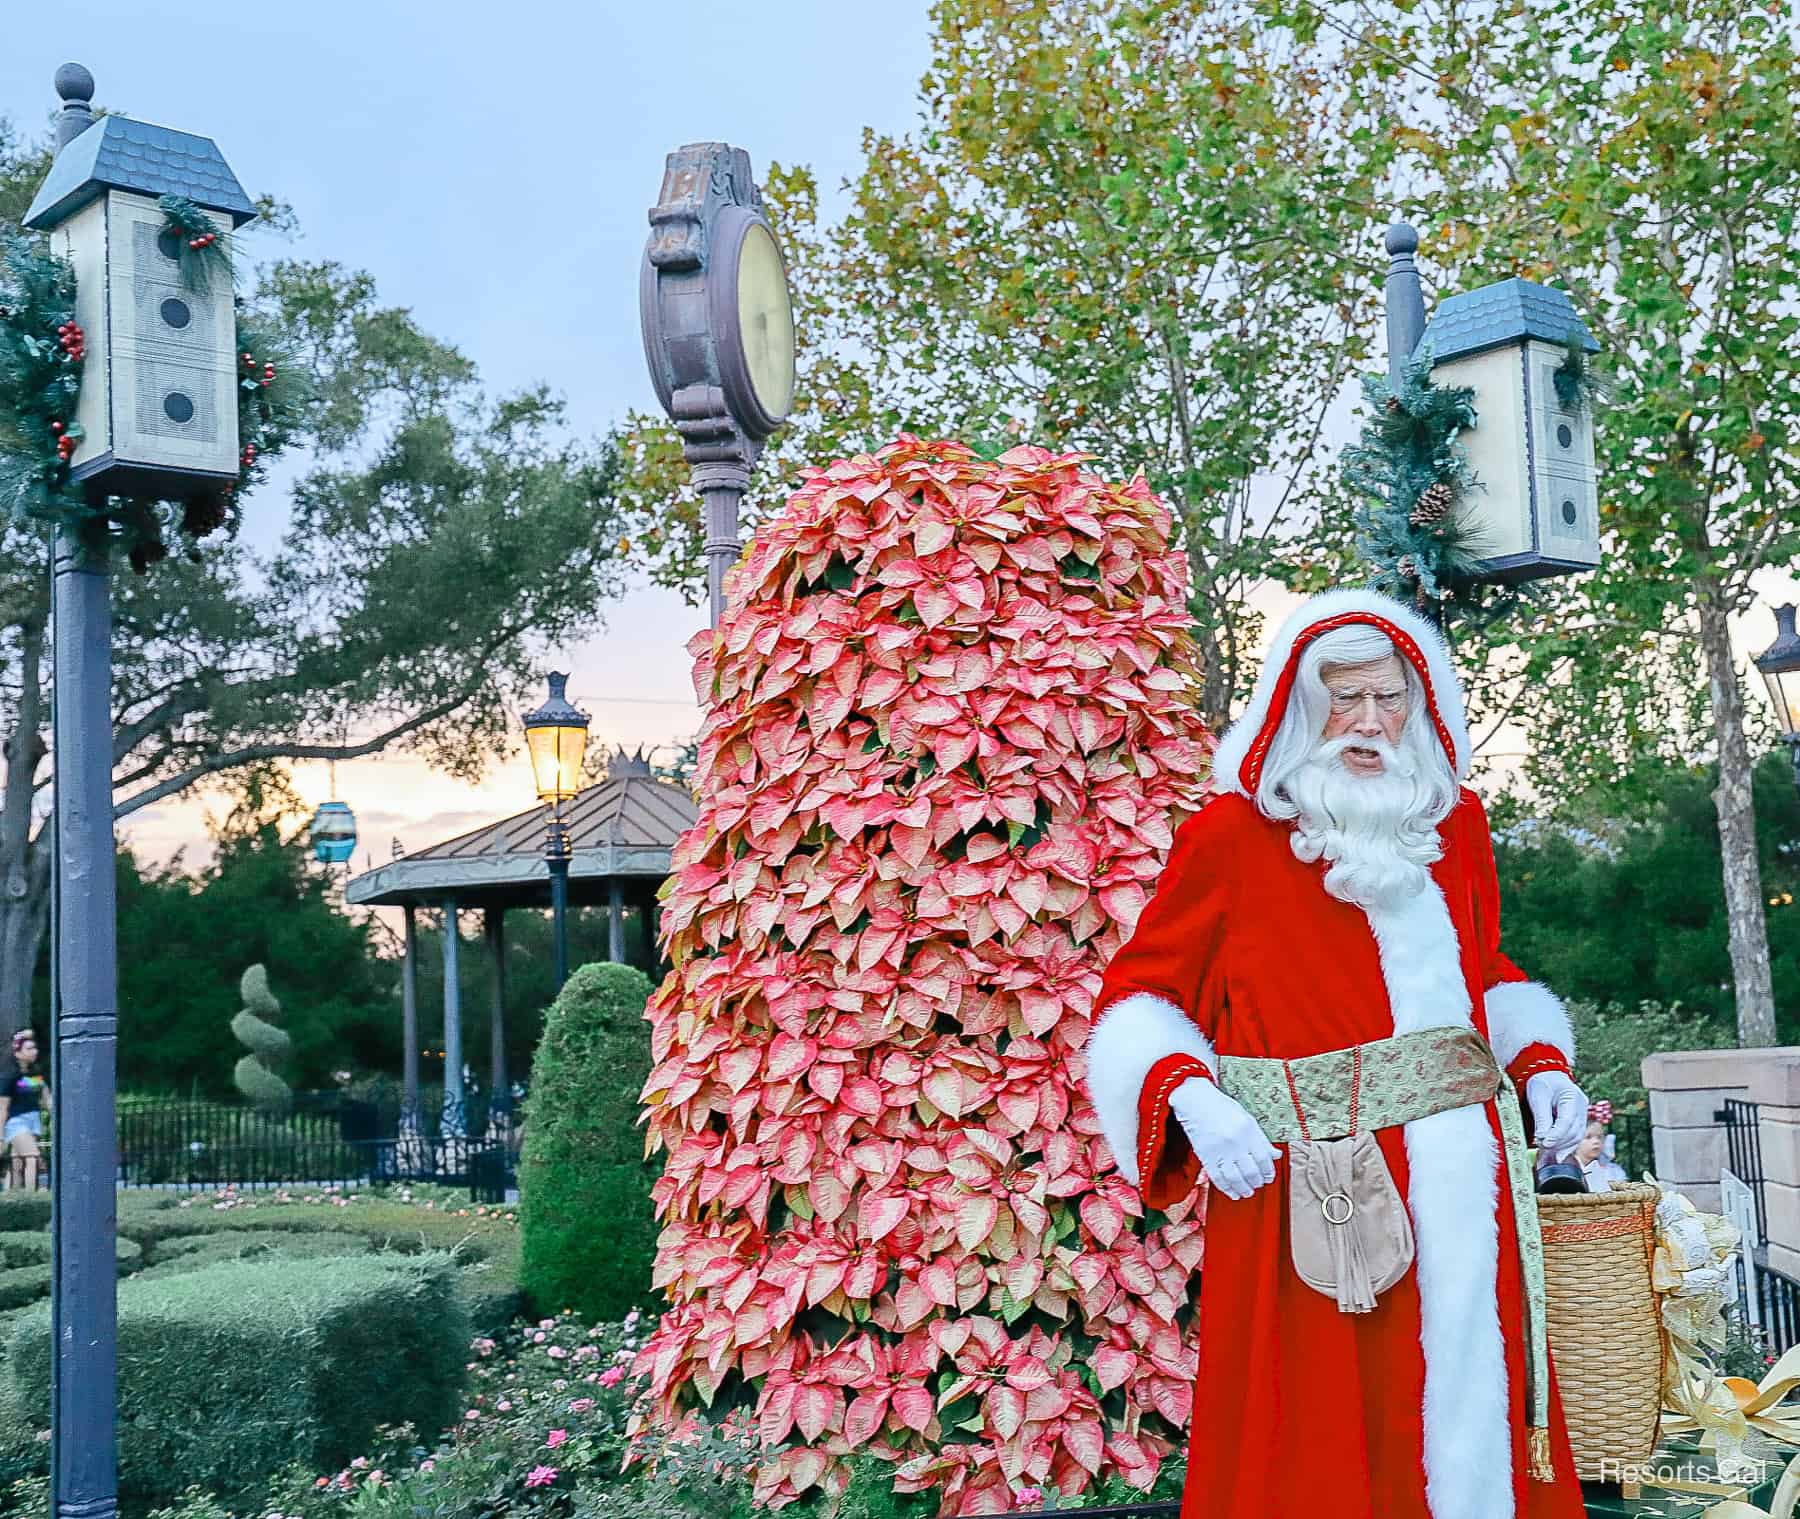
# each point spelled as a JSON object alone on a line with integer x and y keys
{"x": 949, "y": 736}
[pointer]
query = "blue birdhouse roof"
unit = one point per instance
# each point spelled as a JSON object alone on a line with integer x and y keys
{"x": 117, "y": 153}
{"x": 1508, "y": 312}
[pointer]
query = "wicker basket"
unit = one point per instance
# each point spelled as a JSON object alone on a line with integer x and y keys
{"x": 1605, "y": 1332}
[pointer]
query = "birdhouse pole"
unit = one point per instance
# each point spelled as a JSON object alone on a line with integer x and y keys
{"x": 1405, "y": 300}
{"x": 84, "y": 1004}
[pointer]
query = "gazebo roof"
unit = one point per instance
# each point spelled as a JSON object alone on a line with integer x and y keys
{"x": 622, "y": 828}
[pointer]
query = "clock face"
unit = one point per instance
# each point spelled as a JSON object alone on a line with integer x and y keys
{"x": 766, "y": 321}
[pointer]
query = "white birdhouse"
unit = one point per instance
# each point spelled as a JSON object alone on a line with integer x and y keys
{"x": 158, "y": 404}
{"x": 1537, "y": 506}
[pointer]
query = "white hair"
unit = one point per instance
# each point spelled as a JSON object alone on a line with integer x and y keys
{"x": 1378, "y": 833}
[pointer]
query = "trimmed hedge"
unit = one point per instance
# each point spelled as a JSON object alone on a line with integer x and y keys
{"x": 198, "y": 1251}
{"x": 24, "y": 1211}
{"x": 24, "y": 1284}
{"x": 485, "y": 1247}
{"x": 19, "y": 1248}
{"x": 231, "y": 1372}
{"x": 587, "y": 1226}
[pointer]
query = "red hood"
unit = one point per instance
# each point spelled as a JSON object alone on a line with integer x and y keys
{"x": 1237, "y": 763}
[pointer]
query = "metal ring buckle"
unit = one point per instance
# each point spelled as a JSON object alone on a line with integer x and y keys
{"x": 1349, "y": 1207}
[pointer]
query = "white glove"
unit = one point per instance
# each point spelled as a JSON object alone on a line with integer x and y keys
{"x": 1559, "y": 1112}
{"x": 1230, "y": 1143}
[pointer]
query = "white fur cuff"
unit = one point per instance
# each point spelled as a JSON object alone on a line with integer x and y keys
{"x": 1132, "y": 1035}
{"x": 1526, "y": 1012}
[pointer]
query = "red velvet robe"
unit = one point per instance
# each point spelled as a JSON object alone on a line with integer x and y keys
{"x": 1300, "y": 1410}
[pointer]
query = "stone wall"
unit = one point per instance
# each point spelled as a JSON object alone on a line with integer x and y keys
{"x": 1687, "y": 1088}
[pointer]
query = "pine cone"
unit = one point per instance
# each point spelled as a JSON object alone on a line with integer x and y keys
{"x": 1433, "y": 505}
{"x": 1407, "y": 568}
{"x": 1393, "y": 403}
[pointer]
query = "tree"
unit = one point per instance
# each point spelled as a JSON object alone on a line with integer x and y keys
{"x": 583, "y": 1158}
{"x": 1645, "y": 157}
{"x": 951, "y": 734}
{"x": 439, "y": 541}
{"x": 1135, "y": 228}
{"x": 185, "y": 939}
{"x": 1615, "y": 912}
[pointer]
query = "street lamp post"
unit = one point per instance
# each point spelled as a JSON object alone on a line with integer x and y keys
{"x": 556, "y": 735}
{"x": 718, "y": 331}
{"x": 1779, "y": 666}
{"x": 158, "y": 421}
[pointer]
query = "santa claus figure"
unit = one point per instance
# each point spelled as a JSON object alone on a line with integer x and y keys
{"x": 1314, "y": 1016}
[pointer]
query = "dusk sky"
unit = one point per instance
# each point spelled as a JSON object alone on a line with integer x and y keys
{"x": 409, "y": 137}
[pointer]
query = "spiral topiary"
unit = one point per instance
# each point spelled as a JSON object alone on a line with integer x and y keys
{"x": 587, "y": 1227}
{"x": 255, "y": 1074}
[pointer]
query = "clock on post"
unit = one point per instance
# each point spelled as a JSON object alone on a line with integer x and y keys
{"x": 718, "y": 331}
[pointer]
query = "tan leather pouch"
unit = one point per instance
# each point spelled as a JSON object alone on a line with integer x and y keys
{"x": 1351, "y": 1236}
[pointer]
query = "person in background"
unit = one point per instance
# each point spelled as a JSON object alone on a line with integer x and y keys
{"x": 1598, "y": 1169}
{"x": 24, "y": 1099}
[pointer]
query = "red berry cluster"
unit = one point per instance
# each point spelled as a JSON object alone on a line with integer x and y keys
{"x": 249, "y": 455}
{"x": 65, "y": 442}
{"x": 204, "y": 240}
{"x": 73, "y": 340}
{"x": 268, "y": 369}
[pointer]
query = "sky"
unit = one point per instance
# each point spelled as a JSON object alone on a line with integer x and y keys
{"x": 492, "y": 166}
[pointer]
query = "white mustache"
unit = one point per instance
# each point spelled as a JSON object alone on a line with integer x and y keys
{"x": 1391, "y": 759}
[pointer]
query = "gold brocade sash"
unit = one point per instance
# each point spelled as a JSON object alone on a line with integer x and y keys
{"x": 1413, "y": 1076}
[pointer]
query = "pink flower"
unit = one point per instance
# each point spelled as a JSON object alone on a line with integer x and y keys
{"x": 428, "y": 1465}
{"x": 556, "y": 1353}
{"x": 555, "y": 1438}
{"x": 504, "y": 1405}
{"x": 540, "y": 1476}
{"x": 473, "y": 1413}
{"x": 1029, "y": 1497}
{"x": 612, "y": 1376}
{"x": 581, "y": 1405}
{"x": 538, "y": 1338}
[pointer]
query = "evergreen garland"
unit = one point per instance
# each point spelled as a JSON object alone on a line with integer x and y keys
{"x": 1579, "y": 387}
{"x": 41, "y": 354}
{"x": 203, "y": 252}
{"x": 1411, "y": 474}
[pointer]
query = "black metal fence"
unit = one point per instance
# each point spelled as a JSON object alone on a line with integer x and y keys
{"x": 320, "y": 1138}
{"x": 1778, "y": 1304}
{"x": 1632, "y": 1150}
{"x": 1743, "y": 1150}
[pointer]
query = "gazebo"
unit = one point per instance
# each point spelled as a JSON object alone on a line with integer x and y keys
{"x": 621, "y": 831}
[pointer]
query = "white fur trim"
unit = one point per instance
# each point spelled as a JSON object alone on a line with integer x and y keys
{"x": 1453, "y": 1196}
{"x": 1132, "y": 1035}
{"x": 1527, "y": 1012}
{"x": 1234, "y": 747}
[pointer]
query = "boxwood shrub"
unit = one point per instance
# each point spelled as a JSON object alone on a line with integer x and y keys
{"x": 586, "y": 1222}
{"x": 233, "y": 1371}
{"x": 198, "y": 1251}
{"x": 24, "y": 1284}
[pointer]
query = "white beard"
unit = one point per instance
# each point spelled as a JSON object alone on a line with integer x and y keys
{"x": 1374, "y": 830}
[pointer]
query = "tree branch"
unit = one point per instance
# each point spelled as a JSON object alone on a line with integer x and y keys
{"x": 252, "y": 753}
